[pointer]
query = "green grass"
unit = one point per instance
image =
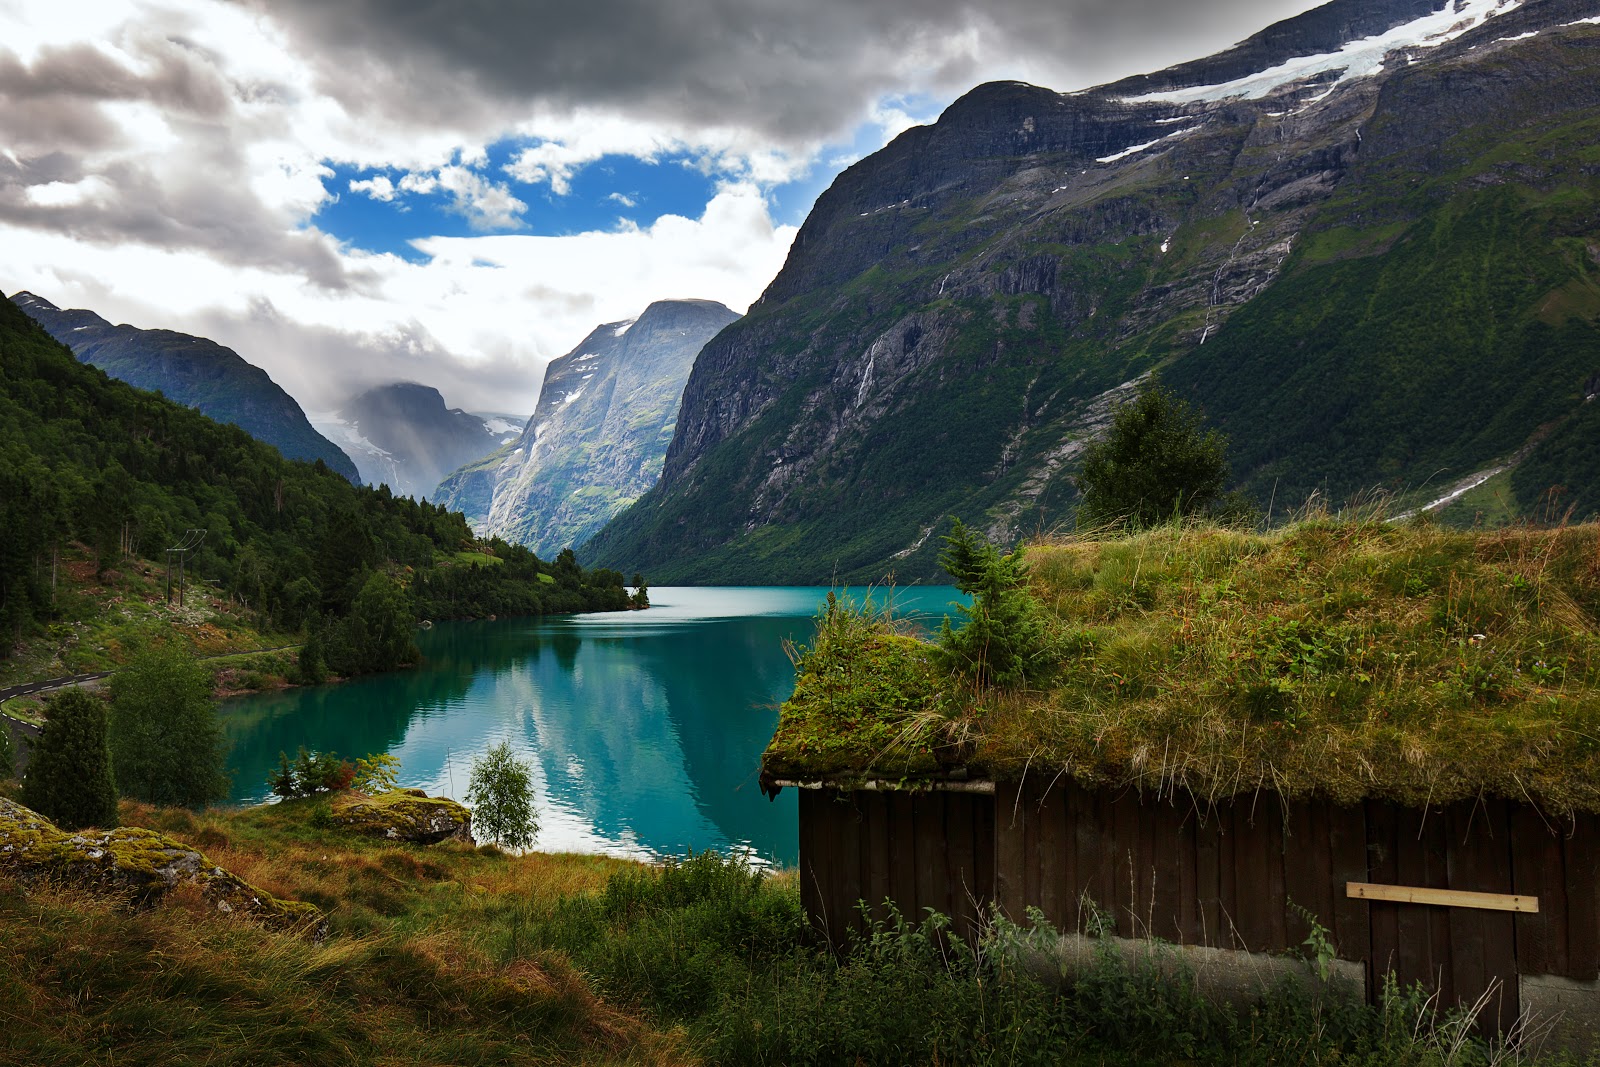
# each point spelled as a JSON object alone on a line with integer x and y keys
{"x": 1348, "y": 659}
{"x": 412, "y": 972}
{"x": 103, "y": 620}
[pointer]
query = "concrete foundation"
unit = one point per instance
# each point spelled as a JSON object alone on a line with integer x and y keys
{"x": 1560, "y": 1013}
{"x": 1223, "y": 976}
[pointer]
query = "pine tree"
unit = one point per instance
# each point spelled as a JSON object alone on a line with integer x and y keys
{"x": 1004, "y": 640}
{"x": 69, "y": 768}
{"x": 1154, "y": 463}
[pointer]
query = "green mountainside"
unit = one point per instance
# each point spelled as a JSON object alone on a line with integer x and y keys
{"x": 192, "y": 371}
{"x": 1382, "y": 281}
{"x": 85, "y": 458}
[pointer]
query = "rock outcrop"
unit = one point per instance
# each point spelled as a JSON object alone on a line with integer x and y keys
{"x": 598, "y": 437}
{"x": 137, "y": 865}
{"x": 404, "y": 815}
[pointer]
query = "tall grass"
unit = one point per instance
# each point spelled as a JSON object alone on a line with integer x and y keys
{"x": 452, "y": 954}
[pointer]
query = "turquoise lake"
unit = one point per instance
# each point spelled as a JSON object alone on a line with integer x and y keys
{"x": 645, "y": 728}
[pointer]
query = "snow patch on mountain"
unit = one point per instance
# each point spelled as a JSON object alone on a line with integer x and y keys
{"x": 1358, "y": 59}
{"x": 1133, "y": 149}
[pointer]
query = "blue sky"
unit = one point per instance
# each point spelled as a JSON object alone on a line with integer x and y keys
{"x": 612, "y": 192}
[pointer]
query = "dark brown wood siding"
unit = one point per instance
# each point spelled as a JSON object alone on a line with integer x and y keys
{"x": 1251, "y": 873}
{"x": 918, "y": 850}
{"x": 1179, "y": 870}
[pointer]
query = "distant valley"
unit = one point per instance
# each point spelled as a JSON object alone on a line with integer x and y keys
{"x": 402, "y": 435}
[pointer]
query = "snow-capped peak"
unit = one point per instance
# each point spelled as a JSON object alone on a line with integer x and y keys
{"x": 1358, "y": 59}
{"x": 623, "y": 328}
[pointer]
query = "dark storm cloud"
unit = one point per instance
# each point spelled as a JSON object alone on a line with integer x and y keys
{"x": 793, "y": 72}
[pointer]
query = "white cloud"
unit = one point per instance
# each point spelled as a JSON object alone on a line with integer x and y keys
{"x": 162, "y": 161}
{"x": 69, "y": 194}
{"x": 378, "y": 188}
{"x": 486, "y": 205}
{"x": 477, "y": 319}
{"x": 623, "y": 199}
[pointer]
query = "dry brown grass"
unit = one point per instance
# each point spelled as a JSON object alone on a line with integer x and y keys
{"x": 416, "y": 969}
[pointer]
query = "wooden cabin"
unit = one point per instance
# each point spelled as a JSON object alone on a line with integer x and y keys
{"x": 1437, "y": 821}
{"x": 1478, "y": 900}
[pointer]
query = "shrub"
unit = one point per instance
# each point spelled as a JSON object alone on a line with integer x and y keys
{"x": 310, "y": 773}
{"x": 69, "y": 770}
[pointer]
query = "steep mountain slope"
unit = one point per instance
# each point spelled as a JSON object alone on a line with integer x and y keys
{"x": 597, "y": 440}
{"x": 1364, "y": 240}
{"x": 193, "y": 371}
{"x": 403, "y": 436}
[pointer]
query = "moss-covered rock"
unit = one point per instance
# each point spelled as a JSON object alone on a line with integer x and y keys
{"x": 136, "y": 864}
{"x": 404, "y": 815}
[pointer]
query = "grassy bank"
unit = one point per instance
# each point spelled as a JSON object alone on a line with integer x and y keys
{"x": 452, "y": 954}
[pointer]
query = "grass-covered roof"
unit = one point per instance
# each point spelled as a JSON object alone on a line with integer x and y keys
{"x": 1347, "y": 659}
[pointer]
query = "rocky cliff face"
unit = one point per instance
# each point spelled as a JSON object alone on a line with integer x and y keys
{"x": 193, "y": 371}
{"x": 598, "y": 437}
{"x": 960, "y": 309}
{"x": 402, "y": 435}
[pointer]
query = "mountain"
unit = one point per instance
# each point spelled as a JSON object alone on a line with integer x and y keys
{"x": 1366, "y": 241}
{"x": 193, "y": 371}
{"x": 599, "y": 434}
{"x": 403, "y": 436}
{"x": 91, "y": 465}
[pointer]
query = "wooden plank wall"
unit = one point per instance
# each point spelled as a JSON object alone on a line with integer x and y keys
{"x": 920, "y": 850}
{"x": 1177, "y": 870}
{"x": 1228, "y": 875}
{"x": 1559, "y": 861}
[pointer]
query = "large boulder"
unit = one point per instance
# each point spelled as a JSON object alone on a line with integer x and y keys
{"x": 405, "y": 815}
{"x": 137, "y": 865}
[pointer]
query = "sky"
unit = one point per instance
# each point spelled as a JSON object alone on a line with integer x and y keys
{"x": 455, "y": 192}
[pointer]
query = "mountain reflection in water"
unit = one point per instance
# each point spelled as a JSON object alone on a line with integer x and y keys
{"x": 645, "y": 728}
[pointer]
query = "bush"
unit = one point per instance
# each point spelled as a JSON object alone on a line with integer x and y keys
{"x": 311, "y": 773}
{"x": 69, "y": 770}
{"x": 377, "y": 773}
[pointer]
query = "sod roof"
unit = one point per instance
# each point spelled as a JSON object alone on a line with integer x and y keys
{"x": 1351, "y": 660}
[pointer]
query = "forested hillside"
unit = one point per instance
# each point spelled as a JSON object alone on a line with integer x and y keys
{"x": 85, "y": 458}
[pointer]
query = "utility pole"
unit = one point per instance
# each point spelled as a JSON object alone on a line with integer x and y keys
{"x": 192, "y": 540}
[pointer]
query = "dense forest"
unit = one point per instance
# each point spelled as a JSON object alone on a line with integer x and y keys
{"x": 87, "y": 459}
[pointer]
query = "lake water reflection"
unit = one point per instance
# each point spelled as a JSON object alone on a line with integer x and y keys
{"x": 645, "y": 728}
